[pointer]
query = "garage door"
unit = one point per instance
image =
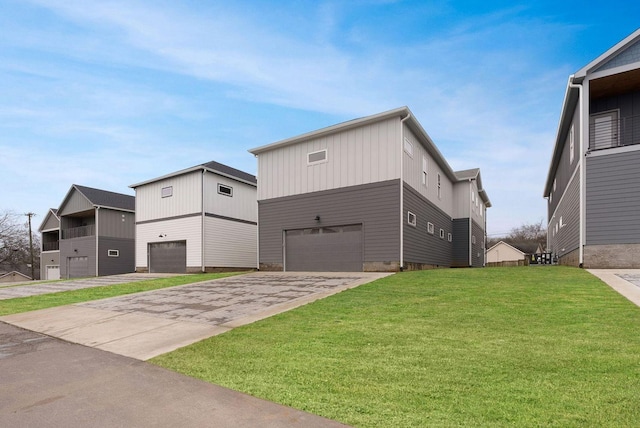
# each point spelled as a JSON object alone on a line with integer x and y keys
{"x": 168, "y": 257}
{"x": 330, "y": 249}
{"x": 53, "y": 272}
{"x": 78, "y": 267}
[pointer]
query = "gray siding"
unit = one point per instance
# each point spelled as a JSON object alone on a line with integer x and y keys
{"x": 52, "y": 222}
{"x": 86, "y": 247}
{"x": 375, "y": 206}
{"x": 628, "y": 56}
{"x": 566, "y": 168}
{"x": 124, "y": 263}
{"x": 116, "y": 224}
{"x": 567, "y": 238}
{"x": 613, "y": 199}
{"x": 477, "y": 249}
{"x": 460, "y": 242}
{"x": 75, "y": 203}
{"x": 419, "y": 245}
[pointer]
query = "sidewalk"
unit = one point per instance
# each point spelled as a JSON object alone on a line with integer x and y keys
{"x": 624, "y": 281}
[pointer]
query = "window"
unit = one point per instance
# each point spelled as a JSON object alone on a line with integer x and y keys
{"x": 554, "y": 184}
{"x": 225, "y": 190}
{"x": 449, "y": 237}
{"x": 571, "y": 145}
{"x": 408, "y": 147}
{"x": 430, "y": 228}
{"x": 561, "y": 223}
{"x": 439, "y": 186}
{"x": 113, "y": 253}
{"x": 481, "y": 208}
{"x": 317, "y": 157}
{"x": 441, "y": 233}
{"x": 473, "y": 239}
{"x": 425, "y": 171}
{"x": 411, "y": 218}
{"x": 166, "y": 192}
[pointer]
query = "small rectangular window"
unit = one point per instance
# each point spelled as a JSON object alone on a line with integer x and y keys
{"x": 408, "y": 147}
{"x": 571, "y": 145}
{"x": 430, "y": 228}
{"x": 425, "y": 171}
{"x": 441, "y": 233}
{"x": 449, "y": 237}
{"x": 113, "y": 253}
{"x": 166, "y": 192}
{"x": 317, "y": 157}
{"x": 225, "y": 190}
{"x": 411, "y": 218}
{"x": 473, "y": 239}
{"x": 439, "y": 186}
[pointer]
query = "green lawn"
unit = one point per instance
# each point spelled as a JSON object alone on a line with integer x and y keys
{"x": 26, "y": 304}
{"x": 533, "y": 346}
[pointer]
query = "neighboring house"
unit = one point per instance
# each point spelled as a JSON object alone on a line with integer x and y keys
{"x": 50, "y": 245}
{"x": 97, "y": 232}
{"x": 13, "y": 276}
{"x": 199, "y": 219}
{"x": 503, "y": 252}
{"x": 593, "y": 185}
{"x": 371, "y": 194}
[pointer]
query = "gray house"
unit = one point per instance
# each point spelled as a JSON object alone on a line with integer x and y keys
{"x": 50, "y": 245}
{"x": 97, "y": 232}
{"x": 371, "y": 194}
{"x": 199, "y": 219}
{"x": 593, "y": 185}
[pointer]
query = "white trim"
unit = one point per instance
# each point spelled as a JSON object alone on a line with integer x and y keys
{"x": 113, "y": 253}
{"x": 409, "y": 221}
{"x": 431, "y": 228}
{"x": 319, "y": 161}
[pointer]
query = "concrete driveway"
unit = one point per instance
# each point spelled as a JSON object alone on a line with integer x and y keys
{"x": 148, "y": 324}
{"x": 624, "y": 281}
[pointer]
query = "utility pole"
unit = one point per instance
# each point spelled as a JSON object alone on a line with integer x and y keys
{"x": 30, "y": 214}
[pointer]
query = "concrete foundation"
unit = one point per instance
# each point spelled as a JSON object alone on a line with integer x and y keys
{"x": 616, "y": 256}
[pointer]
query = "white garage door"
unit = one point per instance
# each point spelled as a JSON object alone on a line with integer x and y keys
{"x": 168, "y": 257}
{"x": 78, "y": 267}
{"x": 329, "y": 249}
{"x": 53, "y": 272}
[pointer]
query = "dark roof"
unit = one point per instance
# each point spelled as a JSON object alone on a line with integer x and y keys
{"x": 104, "y": 198}
{"x": 525, "y": 247}
{"x": 227, "y": 170}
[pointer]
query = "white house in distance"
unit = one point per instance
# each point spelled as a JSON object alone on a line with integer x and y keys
{"x": 199, "y": 219}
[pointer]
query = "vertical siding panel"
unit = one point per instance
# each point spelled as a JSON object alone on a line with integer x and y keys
{"x": 230, "y": 244}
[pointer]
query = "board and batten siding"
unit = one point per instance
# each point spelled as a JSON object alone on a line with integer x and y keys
{"x": 412, "y": 174}
{"x": 116, "y": 224}
{"x": 366, "y": 154}
{"x": 613, "y": 198}
{"x": 186, "y": 197}
{"x": 179, "y": 229}
{"x": 230, "y": 243}
{"x": 51, "y": 223}
{"x": 241, "y": 205}
{"x": 374, "y": 205}
{"x": 467, "y": 202}
{"x": 75, "y": 203}
{"x": 566, "y": 220}
{"x": 477, "y": 248}
{"x": 461, "y": 242}
{"x": 420, "y": 246}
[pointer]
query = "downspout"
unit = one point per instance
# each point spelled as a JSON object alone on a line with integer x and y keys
{"x": 97, "y": 245}
{"x": 582, "y": 165}
{"x": 203, "y": 268}
{"x": 402, "y": 190}
{"x": 470, "y": 224}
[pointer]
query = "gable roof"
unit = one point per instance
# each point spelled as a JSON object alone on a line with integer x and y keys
{"x": 14, "y": 274}
{"x": 212, "y": 166}
{"x": 572, "y": 96}
{"x": 508, "y": 245}
{"x": 404, "y": 114}
{"x": 102, "y": 198}
{"x": 474, "y": 174}
{"x": 53, "y": 212}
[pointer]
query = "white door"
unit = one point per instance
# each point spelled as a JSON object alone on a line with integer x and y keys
{"x": 53, "y": 272}
{"x": 604, "y": 130}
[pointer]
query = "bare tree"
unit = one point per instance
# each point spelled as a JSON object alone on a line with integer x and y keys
{"x": 527, "y": 233}
{"x": 15, "y": 247}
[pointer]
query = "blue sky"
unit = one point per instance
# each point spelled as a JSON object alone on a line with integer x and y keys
{"x": 110, "y": 93}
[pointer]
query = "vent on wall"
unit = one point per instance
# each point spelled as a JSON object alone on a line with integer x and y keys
{"x": 317, "y": 157}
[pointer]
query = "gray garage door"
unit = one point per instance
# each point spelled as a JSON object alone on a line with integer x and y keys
{"x": 330, "y": 249}
{"x": 78, "y": 267}
{"x": 168, "y": 257}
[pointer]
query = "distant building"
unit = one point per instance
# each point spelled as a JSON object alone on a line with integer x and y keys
{"x": 13, "y": 276}
{"x": 199, "y": 219}
{"x": 50, "y": 245}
